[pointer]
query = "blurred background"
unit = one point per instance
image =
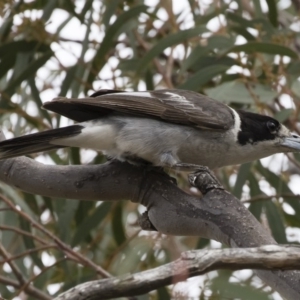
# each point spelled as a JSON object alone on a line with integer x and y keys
{"x": 242, "y": 53}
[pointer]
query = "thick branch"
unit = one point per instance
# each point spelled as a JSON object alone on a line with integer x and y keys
{"x": 191, "y": 263}
{"x": 89, "y": 182}
{"x": 218, "y": 215}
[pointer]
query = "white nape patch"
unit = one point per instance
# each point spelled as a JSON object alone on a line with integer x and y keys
{"x": 237, "y": 123}
{"x": 137, "y": 94}
{"x": 96, "y": 136}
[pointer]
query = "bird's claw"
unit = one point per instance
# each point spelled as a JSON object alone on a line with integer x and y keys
{"x": 201, "y": 177}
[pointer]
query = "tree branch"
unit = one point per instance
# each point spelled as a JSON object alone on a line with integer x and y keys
{"x": 89, "y": 182}
{"x": 59, "y": 243}
{"x": 217, "y": 215}
{"x": 30, "y": 290}
{"x": 191, "y": 263}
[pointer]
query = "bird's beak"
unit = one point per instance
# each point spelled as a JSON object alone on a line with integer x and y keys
{"x": 292, "y": 142}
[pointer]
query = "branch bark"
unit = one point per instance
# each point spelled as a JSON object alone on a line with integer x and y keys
{"x": 218, "y": 215}
{"x": 191, "y": 263}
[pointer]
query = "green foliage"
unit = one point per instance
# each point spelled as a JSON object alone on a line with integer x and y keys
{"x": 246, "y": 56}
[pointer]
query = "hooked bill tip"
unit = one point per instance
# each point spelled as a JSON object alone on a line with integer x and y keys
{"x": 292, "y": 142}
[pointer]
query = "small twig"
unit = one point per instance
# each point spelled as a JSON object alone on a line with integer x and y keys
{"x": 29, "y": 251}
{"x": 22, "y": 232}
{"x": 83, "y": 260}
{"x": 30, "y": 290}
{"x": 25, "y": 286}
{"x": 12, "y": 265}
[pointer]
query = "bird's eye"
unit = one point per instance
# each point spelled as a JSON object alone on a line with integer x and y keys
{"x": 272, "y": 126}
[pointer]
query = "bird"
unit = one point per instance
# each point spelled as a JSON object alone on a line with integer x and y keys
{"x": 172, "y": 128}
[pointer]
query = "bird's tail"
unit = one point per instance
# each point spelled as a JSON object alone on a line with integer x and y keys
{"x": 36, "y": 142}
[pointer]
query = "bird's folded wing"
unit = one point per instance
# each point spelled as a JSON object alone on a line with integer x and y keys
{"x": 174, "y": 106}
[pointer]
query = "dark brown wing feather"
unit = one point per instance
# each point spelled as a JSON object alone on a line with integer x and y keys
{"x": 174, "y": 106}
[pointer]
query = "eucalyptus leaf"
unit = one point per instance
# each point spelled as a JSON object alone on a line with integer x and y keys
{"x": 296, "y": 87}
{"x": 272, "y": 12}
{"x": 169, "y": 41}
{"x": 243, "y": 32}
{"x": 196, "y": 81}
{"x": 275, "y": 221}
{"x": 90, "y": 222}
{"x": 111, "y": 32}
{"x": 28, "y": 72}
{"x": 68, "y": 80}
{"x": 163, "y": 294}
{"x": 23, "y": 46}
{"x": 237, "y": 92}
{"x": 36, "y": 96}
{"x": 230, "y": 290}
{"x": 29, "y": 244}
{"x": 283, "y": 115}
{"x": 256, "y": 208}
{"x": 65, "y": 210}
{"x": 6, "y": 63}
{"x": 117, "y": 224}
{"x": 209, "y": 61}
{"x": 242, "y": 176}
{"x": 110, "y": 8}
{"x": 220, "y": 42}
{"x": 294, "y": 68}
{"x": 264, "y": 47}
{"x": 280, "y": 186}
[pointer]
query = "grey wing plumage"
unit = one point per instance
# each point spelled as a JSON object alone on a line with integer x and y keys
{"x": 174, "y": 106}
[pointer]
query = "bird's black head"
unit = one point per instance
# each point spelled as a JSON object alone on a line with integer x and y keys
{"x": 256, "y": 128}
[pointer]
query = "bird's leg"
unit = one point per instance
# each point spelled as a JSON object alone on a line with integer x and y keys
{"x": 171, "y": 160}
{"x": 189, "y": 167}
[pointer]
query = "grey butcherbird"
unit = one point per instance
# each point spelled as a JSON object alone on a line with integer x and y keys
{"x": 174, "y": 128}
